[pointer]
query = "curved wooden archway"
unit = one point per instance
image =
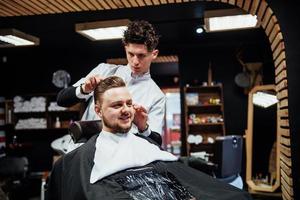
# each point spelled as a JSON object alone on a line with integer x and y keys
{"x": 268, "y": 21}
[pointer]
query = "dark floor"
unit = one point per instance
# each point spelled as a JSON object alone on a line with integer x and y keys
{"x": 267, "y": 196}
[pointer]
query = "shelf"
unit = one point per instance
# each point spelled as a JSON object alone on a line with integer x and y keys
{"x": 207, "y": 124}
{"x": 201, "y": 147}
{"x": 63, "y": 111}
{"x": 207, "y": 128}
{"x": 205, "y": 89}
{"x": 205, "y": 105}
{"x": 42, "y": 131}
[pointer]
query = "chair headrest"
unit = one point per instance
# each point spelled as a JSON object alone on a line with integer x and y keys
{"x": 81, "y": 131}
{"x": 13, "y": 167}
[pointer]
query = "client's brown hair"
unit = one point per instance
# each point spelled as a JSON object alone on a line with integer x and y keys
{"x": 106, "y": 84}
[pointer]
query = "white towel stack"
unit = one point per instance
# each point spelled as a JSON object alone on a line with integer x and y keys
{"x": 31, "y": 123}
{"x": 35, "y": 104}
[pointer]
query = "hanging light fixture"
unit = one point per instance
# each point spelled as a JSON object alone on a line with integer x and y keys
{"x": 103, "y": 30}
{"x": 13, "y": 37}
{"x": 228, "y": 19}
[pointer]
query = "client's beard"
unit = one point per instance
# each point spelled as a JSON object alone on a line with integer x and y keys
{"x": 115, "y": 127}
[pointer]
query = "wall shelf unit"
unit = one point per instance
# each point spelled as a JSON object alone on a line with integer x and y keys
{"x": 204, "y": 117}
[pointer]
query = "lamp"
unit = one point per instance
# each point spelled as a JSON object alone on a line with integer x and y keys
{"x": 103, "y": 30}
{"x": 228, "y": 19}
{"x": 14, "y": 37}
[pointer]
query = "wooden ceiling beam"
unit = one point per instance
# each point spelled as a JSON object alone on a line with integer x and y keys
{"x": 111, "y": 4}
{"x": 127, "y": 4}
{"x": 26, "y": 6}
{"x": 96, "y": 4}
{"x": 88, "y": 5}
{"x": 156, "y": 2}
{"x": 119, "y": 3}
{"x": 4, "y": 13}
{"x": 36, "y": 7}
{"x": 42, "y": 4}
{"x": 104, "y": 5}
{"x": 72, "y": 4}
{"x": 80, "y": 5}
{"x": 8, "y": 6}
{"x": 148, "y": 2}
{"x": 140, "y": 2}
{"x": 66, "y": 5}
{"x": 60, "y": 6}
{"x": 133, "y": 3}
{"x": 51, "y": 7}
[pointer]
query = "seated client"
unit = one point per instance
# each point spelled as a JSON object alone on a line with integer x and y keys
{"x": 117, "y": 164}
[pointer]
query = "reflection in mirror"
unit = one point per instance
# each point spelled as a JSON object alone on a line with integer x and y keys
{"x": 262, "y": 148}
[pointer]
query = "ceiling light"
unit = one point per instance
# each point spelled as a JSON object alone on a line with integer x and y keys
{"x": 264, "y": 100}
{"x": 229, "y": 19}
{"x": 199, "y": 30}
{"x": 103, "y": 30}
{"x": 13, "y": 37}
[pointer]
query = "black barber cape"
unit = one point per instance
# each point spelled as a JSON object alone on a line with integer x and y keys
{"x": 70, "y": 180}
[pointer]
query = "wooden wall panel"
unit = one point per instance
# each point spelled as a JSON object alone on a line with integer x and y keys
{"x": 266, "y": 18}
{"x": 232, "y": 2}
{"x": 282, "y": 95}
{"x": 261, "y": 10}
{"x": 254, "y": 7}
{"x": 271, "y": 25}
{"x": 280, "y": 67}
{"x": 278, "y": 38}
{"x": 285, "y": 150}
{"x": 286, "y": 160}
{"x": 287, "y": 179}
{"x": 246, "y": 5}
{"x": 240, "y": 3}
{"x": 280, "y": 58}
{"x": 282, "y": 75}
{"x": 286, "y": 168}
{"x": 284, "y": 131}
{"x": 287, "y": 187}
{"x": 274, "y": 32}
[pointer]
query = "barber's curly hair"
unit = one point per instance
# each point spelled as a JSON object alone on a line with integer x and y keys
{"x": 141, "y": 32}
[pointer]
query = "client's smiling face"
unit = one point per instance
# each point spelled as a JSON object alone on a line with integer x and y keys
{"x": 117, "y": 111}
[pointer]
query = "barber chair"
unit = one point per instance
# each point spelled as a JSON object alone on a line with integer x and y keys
{"x": 226, "y": 162}
{"x": 13, "y": 171}
{"x": 81, "y": 131}
{"x": 227, "y": 159}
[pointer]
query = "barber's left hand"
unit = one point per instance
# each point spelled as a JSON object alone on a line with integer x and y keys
{"x": 140, "y": 117}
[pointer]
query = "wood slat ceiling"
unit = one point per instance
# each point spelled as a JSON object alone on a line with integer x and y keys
{"x": 10, "y": 8}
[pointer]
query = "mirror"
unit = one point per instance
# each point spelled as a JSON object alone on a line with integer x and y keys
{"x": 262, "y": 140}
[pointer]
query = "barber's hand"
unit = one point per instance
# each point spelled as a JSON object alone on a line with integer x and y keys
{"x": 140, "y": 117}
{"x": 91, "y": 83}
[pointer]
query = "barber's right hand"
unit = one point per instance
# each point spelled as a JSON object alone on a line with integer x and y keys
{"x": 91, "y": 83}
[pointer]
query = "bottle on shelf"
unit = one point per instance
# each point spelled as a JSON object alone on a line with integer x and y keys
{"x": 57, "y": 123}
